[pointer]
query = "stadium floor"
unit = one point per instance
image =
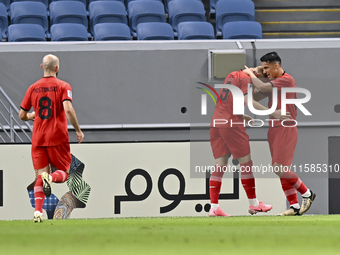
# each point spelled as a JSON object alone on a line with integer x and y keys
{"x": 314, "y": 234}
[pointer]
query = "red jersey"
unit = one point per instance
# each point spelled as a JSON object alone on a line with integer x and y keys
{"x": 225, "y": 111}
{"x": 46, "y": 96}
{"x": 283, "y": 81}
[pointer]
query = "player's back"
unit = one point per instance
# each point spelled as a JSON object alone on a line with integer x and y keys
{"x": 225, "y": 110}
{"x": 50, "y": 125}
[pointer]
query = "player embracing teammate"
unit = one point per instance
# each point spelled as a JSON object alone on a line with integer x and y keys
{"x": 282, "y": 139}
{"x": 230, "y": 138}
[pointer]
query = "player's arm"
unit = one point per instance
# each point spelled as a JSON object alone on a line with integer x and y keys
{"x": 263, "y": 87}
{"x": 257, "y": 95}
{"x": 25, "y": 115}
{"x": 72, "y": 117}
{"x": 276, "y": 114}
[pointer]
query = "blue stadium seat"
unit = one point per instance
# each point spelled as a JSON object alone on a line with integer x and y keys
{"x": 26, "y": 33}
{"x": 145, "y": 11}
{"x": 45, "y": 2}
{"x": 233, "y": 10}
{"x": 82, "y": 1}
{"x": 111, "y": 32}
{"x": 122, "y": 1}
{"x": 188, "y": 10}
{"x": 68, "y": 32}
{"x": 155, "y": 31}
{"x": 107, "y": 12}
{"x": 7, "y": 3}
{"x": 29, "y": 13}
{"x": 195, "y": 30}
{"x": 3, "y": 20}
{"x": 166, "y": 3}
{"x": 242, "y": 30}
{"x": 68, "y": 12}
{"x": 128, "y": 1}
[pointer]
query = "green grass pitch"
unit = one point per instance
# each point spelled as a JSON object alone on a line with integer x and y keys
{"x": 197, "y": 235}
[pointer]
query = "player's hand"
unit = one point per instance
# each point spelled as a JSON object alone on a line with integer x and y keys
{"x": 80, "y": 136}
{"x": 248, "y": 71}
{"x": 249, "y": 120}
{"x": 277, "y": 115}
{"x": 31, "y": 116}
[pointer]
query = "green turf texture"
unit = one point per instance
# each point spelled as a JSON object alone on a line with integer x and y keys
{"x": 197, "y": 235}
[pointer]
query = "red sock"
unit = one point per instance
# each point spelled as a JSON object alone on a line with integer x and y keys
{"x": 294, "y": 181}
{"x": 39, "y": 195}
{"x": 215, "y": 184}
{"x": 247, "y": 179}
{"x": 59, "y": 176}
{"x": 290, "y": 192}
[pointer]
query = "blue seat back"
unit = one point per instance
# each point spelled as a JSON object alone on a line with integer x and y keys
{"x": 145, "y": 11}
{"x": 68, "y": 32}
{"x": 29, "y": 13}
{"x": 68, "y": 12}
{"x": 242, "y": 30}
{"x": 111, "y": 32}
{"x": 182, "y": 11}
{"x": 7, "y": 3}
{"x": 154, "y": 31}
{"x": 233, "y": 10}
{"x": 107, "y": 12}
{"x": 122, "y": 1}
{"x": 45, "y": 2}
{"x": 84, "y": 2}
{"x": 25, "y": 33}
{"x": 195, "y": 30}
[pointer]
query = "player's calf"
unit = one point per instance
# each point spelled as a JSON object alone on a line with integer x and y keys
{"x": 47, "y": 184}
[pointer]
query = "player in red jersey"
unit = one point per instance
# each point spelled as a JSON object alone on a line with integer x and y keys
{"x": 51, "y": 100}
{"x": 282, "y": 140}
{"x": 228, "y": 136}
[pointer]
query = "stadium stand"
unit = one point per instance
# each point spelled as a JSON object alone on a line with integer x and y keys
{"x": 278, "y": 18}
{"x": 29, "y": 13}
{"x": 3, "y": 20}
{"x": 154, "y": 31}
{"x": 68, "y": 32}
{"x": 26, "y": 33}
{"x": 242, "y": 30}
{"x": 233, "y": 10}
{"x": 145, "y": 11}
{"x": 68, "y": 12}
{"x": 181, "y": 11}
{"x": 111, "y": 32}
{"x": 195, "y": 30}
{"x": 298, "y": 19}
{"x": 107, "y": 12}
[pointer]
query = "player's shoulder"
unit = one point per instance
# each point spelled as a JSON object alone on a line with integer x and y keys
{"x": 62, "y": 83}
{"x": 286, "y": 75}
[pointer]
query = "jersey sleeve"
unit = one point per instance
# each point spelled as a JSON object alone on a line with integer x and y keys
{"x": 282, "y": 82}
{"x": 26, "y": 102}
{"x": 66, "y": 93}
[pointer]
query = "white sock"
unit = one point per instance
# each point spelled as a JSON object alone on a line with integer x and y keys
{"x": 307, "y": 194}
{"x": 215, "y": 206}
{"x": 254, "y": 202}
{"x": 296, "y": 206}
